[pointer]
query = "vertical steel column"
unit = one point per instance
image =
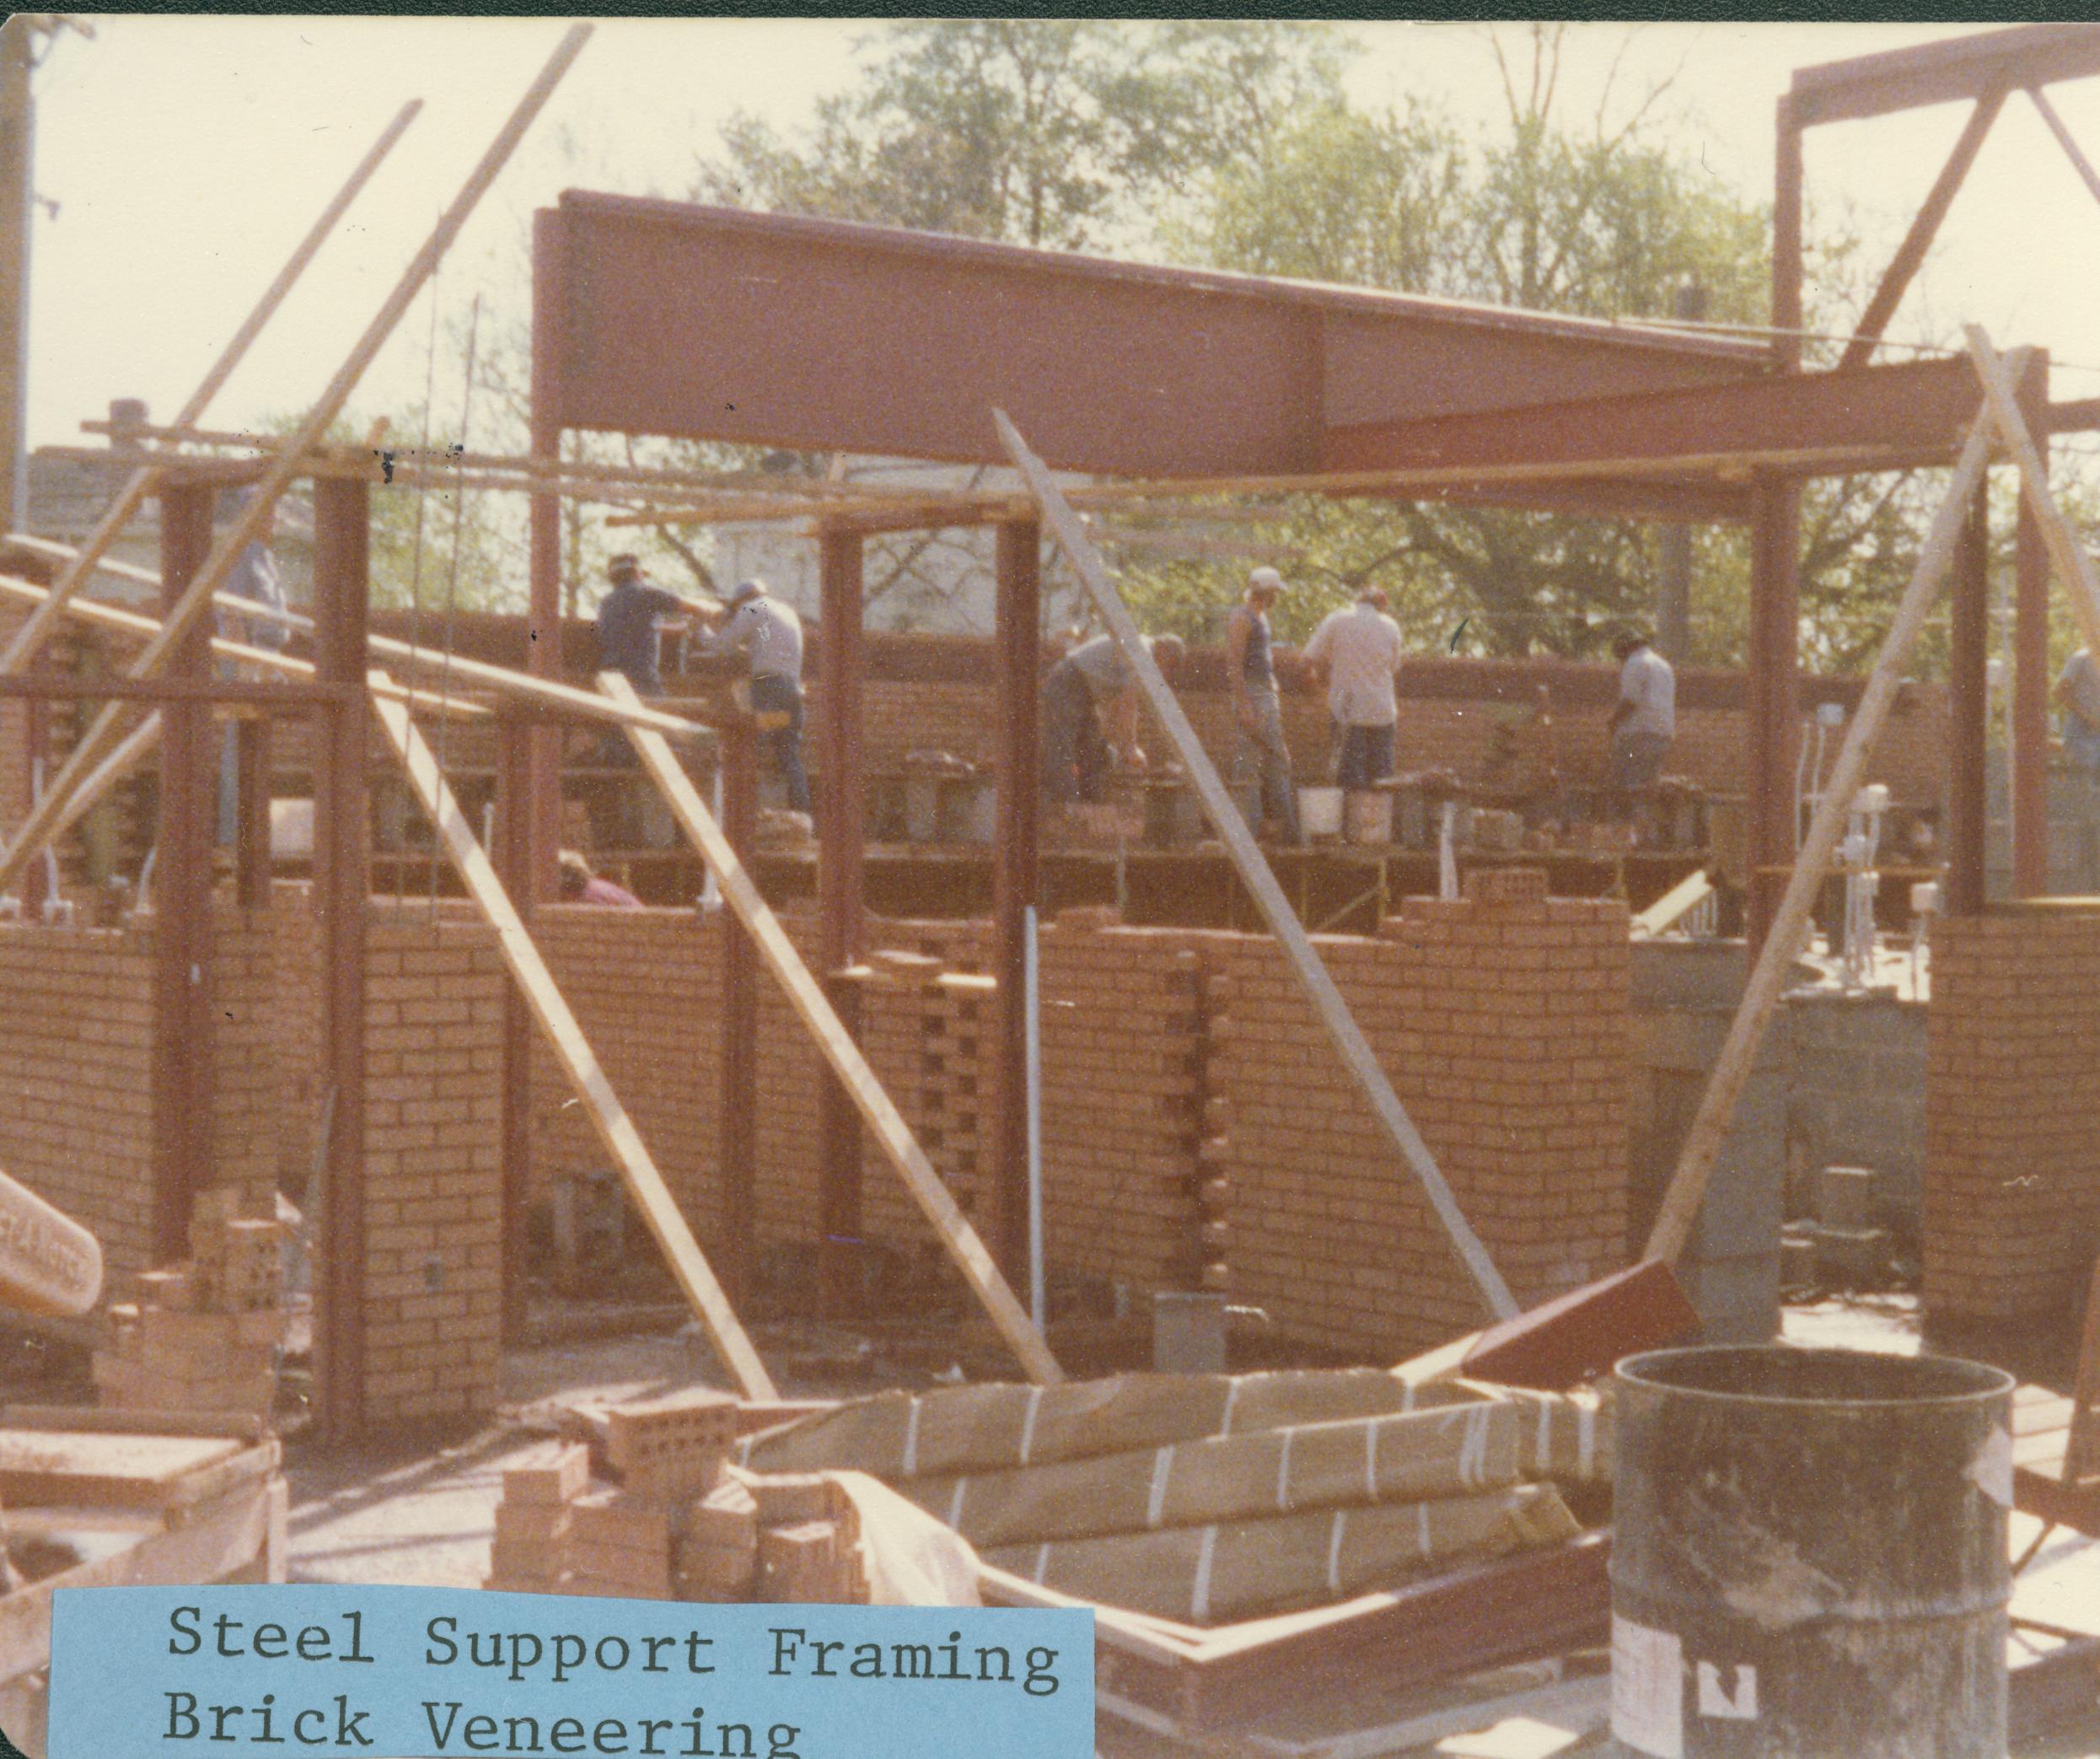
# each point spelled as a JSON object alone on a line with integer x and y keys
{"x": 36, "y": 759}
{"x": 2031, "y": 678}
{"x": 342, "y": 881}
{"x": 1774, "y": 697}
{"x": 513, "y": 856}
{"x": 1774, "y": 553}
{"x": 735, "y": 1257}
{"x": 181, "y": 899}
{"x": 842, "y": 929}
{"x": 1968, "y": 710}
{"x": 1015, "y": 880}
{"x": 543, "y": 620}
{"x": 251, "y": 829}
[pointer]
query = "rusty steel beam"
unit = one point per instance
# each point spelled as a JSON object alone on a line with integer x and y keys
{"x": 1773, "y": 670}
{"x": 181, "y": 895}
{"x": 824, "y": 335}
{"x": 1924, "y": 226}
{"x": 1969, "y": 709}
{"x": 841, "y": 853}
{"x": 342, "y": 884}
{"x": 543, "y": 647}
{"x": 251, "y": 828}
{"x": 1918, "y": 411}
{"x": 735, "y": 1256}
{"x": 1015, "y": 882}
{"x": 514, "y": 867}
{"x": 2031, "y": 677}
{"x": 1944, "y": 72}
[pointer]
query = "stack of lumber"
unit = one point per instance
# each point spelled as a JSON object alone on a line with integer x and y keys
{"x": 1213, "y": 1497}
{"x": 204, "y": 1338}
{"x": 677, "y": 1522}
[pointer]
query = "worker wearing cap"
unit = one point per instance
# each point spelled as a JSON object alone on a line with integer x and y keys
{"x": 1263, "y": 758}
{"x": 1090, "y": 706}
{"x": 757, "y": 624}
{"x": 1645, "y": 721}
{"x": 627, "y": 619}
{"x": 2078, "y": 694}
{"x": 1355, "y": 651}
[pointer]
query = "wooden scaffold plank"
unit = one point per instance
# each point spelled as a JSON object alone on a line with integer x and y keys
{"x": 884, "y": 1122}
{"x": 608, "y": 1117}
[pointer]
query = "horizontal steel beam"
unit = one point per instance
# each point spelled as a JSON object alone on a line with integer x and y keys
{"x": 1913, "y": 414}
{"x": 1964, "y": 67}
{"x": 714, "y": 324}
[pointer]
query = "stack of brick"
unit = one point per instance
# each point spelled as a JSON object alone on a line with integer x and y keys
{"x": 2012, "y": 1163}
{"x": 680, "y": 1524}
{"x": 954, "y": 1094}
{"x": 204, "y": 1338}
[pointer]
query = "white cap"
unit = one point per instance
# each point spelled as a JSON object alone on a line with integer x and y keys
{"x": 1266, "y": 580}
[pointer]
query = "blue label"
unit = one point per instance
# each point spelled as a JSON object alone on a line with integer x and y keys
{"x": 401, "y": 1673}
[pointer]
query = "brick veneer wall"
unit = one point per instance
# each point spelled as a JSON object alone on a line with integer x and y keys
{"x": 1503, "y": 1023}
{"x": 2012, "y": 1088}
{"x": 75, "y": 1079}
{"x": 433, "y": 1165}
{"x": 76, "y": 1073}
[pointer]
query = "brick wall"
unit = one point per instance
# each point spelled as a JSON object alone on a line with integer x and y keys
{"x": 76, "y": 1073}
{"x": 1503, "y": 1023}
{"x": 2012, "y": 1088}
{"x": 75, "y": 1079}
{"x": 433, "y": 1164}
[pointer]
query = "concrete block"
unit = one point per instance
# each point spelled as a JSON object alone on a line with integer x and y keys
{"x": 1853, "y": 1255}
{"x": 1845, "y": 1197}
{"x": 1738, "y": 1299}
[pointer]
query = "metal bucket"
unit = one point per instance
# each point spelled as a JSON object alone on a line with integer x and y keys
{"x": 1809, "y": 1555}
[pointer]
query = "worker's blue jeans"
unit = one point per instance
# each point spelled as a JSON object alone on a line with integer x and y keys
{"x": 1363, "y": 755}
{"x": 772, "y": 695}
{"x": 1263, "y": 760}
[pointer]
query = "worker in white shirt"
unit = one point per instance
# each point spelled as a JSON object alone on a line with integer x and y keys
{"x": 1645, "y": 721}
{"x": 2078, "y": 694}
{"x": 757, "y": 624}
{"x": 1355, "y": 652}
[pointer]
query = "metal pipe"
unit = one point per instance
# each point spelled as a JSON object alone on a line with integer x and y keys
{"x": 1032, "y": 1003}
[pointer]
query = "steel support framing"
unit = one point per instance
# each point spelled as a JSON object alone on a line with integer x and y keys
{"x": 1774, "y": 698}
{"x": 341, "y": 882}
{"x": 513, "y": 856}
{"x": 1015, "y": 880}
{"x": 1968, "y": 710}
{"x": 841, "y": 919}
{"x": 251, "y": 824}
{"x": 181, "y": 899}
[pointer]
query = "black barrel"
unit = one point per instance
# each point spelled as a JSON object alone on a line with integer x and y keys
{"x": 1809, "y": 1555}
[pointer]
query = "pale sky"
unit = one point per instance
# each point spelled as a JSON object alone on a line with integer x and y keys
{"x": 188, "y": 155}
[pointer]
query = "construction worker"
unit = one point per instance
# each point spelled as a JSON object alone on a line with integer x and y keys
{"x": 2078, "y": 694}
{"x": 581, "y": 885}
{"x": 627, "y": 621}
{"x": 1090, "y": 706}
{"x": 1262, "y": 760}
{"x": 1644, "y": 722}
{"x": 757, "y": 624}
{"x": 1355, "y": 652}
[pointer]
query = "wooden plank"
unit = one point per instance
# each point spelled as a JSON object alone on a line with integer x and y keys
{"x": 1681, "y": 1201}
{"x": 1680, "y": 899}
{"x": 1356, "y": 1055}
{"x": 48, "y": 1263}
{"x": 883, "y": 1121}
{"x": 30, "y": 637}
{"x": 214, "y": 1542}
{"x": 615, "y": 1129}
{"x": 95, "y": 1419}
{"x": 183, "y": 616}
{"x": 94, "y": 1468}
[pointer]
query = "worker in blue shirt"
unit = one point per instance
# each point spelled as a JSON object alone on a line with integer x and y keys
{"x": 627, "y": 620}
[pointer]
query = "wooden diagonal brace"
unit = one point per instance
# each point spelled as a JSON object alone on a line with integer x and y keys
{"x": 1679, "y": 1212}
{"x": 608, "y": 1116}
{"x": 884, "y": 1122}
{"x": 1355, "y": 1053}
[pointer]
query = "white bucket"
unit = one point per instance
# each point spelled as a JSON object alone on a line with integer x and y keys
{"x": 1319, "y": 811}
{"x": 1370, "y": 815}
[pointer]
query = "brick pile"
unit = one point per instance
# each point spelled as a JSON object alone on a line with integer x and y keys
{"x": 2011, "y": 1210}
{"x": 203, "y": 1336}
{"x": 678, "y": 1522}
